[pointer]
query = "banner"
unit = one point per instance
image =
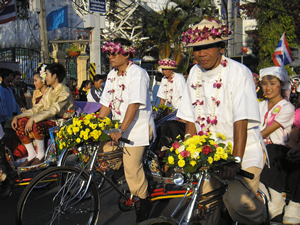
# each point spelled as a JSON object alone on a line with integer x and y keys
{"x": 8, "y": 12}
{"x": 282, "y": 54}
{"x": 57, "y": 19}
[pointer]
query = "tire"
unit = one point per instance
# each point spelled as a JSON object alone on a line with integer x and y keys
{"x": 63, "y": 201}
{"x": 72, "y": 160}
{"x": 158, "y": 221}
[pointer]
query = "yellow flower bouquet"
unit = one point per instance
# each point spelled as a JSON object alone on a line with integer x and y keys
{"x": 84, "y": 128}
{"x": 161, "y": 111}
{"x": 198, "y": 151}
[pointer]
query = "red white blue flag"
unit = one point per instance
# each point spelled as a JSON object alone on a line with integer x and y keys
{"x": 282, "y": 54}
{"x": 8, "y": 12}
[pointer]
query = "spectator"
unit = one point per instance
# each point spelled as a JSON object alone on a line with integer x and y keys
{"x": 96, "y": 90}
{"x": 84, "y": 90}
{"x": 17, "y": 90}
{"x": 9, "y": 106}
{"x": 73, "y": 87}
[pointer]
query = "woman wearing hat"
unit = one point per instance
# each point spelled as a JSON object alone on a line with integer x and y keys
{"x": 172, "y": 85}
{"x": 220, "y": 97}
{"x": 277, "y": 116}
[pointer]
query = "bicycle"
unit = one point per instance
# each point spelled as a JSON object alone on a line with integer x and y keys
{"x": 199, "y": 205}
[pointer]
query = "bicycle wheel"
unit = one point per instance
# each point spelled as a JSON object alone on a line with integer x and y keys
{"x": 158, "y": 221}
{"x": 62, "y": 201}
{"x": 71, "y": 159}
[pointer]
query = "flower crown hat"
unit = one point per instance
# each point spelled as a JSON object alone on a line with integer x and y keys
{"x": 167, "y": 63}
{"x": 205, "y": 33}
{"x": 113, "y": 47}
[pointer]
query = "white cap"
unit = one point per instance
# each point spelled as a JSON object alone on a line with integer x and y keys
{"x": 275, "y": 71}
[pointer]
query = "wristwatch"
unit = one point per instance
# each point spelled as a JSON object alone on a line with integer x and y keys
{"x": 119, "y": 130}
{"x": 238, "y": 159}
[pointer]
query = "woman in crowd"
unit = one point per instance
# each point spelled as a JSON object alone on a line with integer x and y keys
{"x": 84, "y": 90}
{"x": 277, "y": 116}
{"x": 73, "y": 88}
{"x": 40, "y": 84}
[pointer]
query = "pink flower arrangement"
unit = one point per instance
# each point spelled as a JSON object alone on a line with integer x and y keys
{"x": 113, "y": 47}
{"x": 167, "y": 62}
{"x": 218, "y": 83}
{"x": 192, "y": 36}
{"x": 206, "y": 150}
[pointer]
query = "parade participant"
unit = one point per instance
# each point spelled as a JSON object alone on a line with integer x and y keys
{"x": 39, "y": 81}
{"x": 172, "y": 85}
{"x": 9, "y": 106}
{"x": 96, "y": 90}
{"x": 277, "y": 116}
{"x": 220, "y": 97}
{"x": 35, "y": 122}
{"x": 84, "y": 90}
{"x": 126, "y": 95}
{"x": 259, "y": 91}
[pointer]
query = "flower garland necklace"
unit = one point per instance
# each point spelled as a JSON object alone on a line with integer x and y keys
{"x": 117, "y": 100}
{"x": 212, "y": 118}
{"x": 170, "y": 91}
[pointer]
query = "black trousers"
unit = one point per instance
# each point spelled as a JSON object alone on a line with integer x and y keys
{"x": 282, "y": 173}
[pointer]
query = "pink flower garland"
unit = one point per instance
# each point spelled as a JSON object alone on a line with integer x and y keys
{"x": 117, "y": 48}
{"x": 168, "y": 62}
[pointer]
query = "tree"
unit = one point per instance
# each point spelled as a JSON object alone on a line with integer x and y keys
{"x": 274, "y": 17}
{"x": 165, "y": 28}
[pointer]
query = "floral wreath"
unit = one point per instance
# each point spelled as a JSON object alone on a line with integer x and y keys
{"x": 167, "y": 62}
{"x": 43, "y": 73}
{"x": 117, "y": 48}
{"x": 192, "y": 36}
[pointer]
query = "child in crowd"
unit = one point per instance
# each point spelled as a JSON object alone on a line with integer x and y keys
{"x": 84, "y": 90}
{"x": 277, "y": 116}
{"x": 36, "y": 122}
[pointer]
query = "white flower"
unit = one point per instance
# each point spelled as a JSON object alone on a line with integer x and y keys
{"x": 195, "y": 155}
{"x": 181, "y": 148}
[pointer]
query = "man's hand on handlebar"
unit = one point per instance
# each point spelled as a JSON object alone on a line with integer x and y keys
{"x": 229, "y": 170}
{"x": 115, "y": 136}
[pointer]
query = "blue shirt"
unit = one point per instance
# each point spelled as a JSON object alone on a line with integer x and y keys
{"x": 8, "y": 104}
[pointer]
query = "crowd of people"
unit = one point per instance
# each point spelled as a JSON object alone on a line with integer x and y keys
{"x": 219, "y": 95}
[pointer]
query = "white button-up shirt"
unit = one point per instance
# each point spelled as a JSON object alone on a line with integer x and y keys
{"x": 172, "y": 91}
{"x": 237, "y": 102}
{"x": 136, "y": 91}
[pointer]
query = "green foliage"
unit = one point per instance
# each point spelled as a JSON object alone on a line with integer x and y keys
{"x": 274, "y": 17}
{"x": 73, "y": 47}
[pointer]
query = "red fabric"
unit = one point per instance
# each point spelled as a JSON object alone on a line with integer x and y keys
{"x": 39, "y": 130}
{"x": 20, "y": 152}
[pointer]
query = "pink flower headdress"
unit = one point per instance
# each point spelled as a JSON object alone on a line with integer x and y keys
{"x": 167, "y": 64}
{"x": 113, "y": 47}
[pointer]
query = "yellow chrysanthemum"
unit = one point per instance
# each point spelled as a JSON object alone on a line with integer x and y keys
{"x": 181, "y": 163}
{"x": 78, "y": 140}
{"x": 180, "y": 157}
{"x": 193, "y": 163}
{"x": 224, "y": 156}
{"x": 171, "y": 149}
{"x": 220, "y": 150}
{"x": 171, "y": 160}
{"x": 210, "y": 160}
{"x": 216, "y": 157}
{"x": 222, "y": 136}
{"x": 211, "y": 142}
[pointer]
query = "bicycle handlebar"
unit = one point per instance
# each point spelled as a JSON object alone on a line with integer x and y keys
{"x": 246, "y": 174}
{"x": 124, "y": 140}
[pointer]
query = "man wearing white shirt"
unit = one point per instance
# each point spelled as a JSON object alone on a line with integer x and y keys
{"x": 172, "y": 85}
{"x": 126, "y": 95}
{"x": 220, "y": 97}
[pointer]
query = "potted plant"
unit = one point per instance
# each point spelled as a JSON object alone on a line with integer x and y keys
{"x": 74, "y": 50}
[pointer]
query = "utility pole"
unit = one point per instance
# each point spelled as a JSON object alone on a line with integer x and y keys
{"x": 43, "y": 34}
{"x": 229, "y": 9}
{"x": 95, "y": 52}
{"x": 235, "y": 30}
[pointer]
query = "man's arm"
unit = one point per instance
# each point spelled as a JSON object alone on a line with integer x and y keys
{"x": 104, "y": 111}
{"x": 162, "y": 101}
{"x": 129, "y": 116}
{"x": 190, "y": 128}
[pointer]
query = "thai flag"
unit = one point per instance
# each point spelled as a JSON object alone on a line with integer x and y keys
{"x": 282, "y": 54}
{"x": 8, "y": 12}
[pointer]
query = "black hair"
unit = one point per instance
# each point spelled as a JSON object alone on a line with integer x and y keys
{"x": 158, "y": 77}
{"x": 37, "y": 70}
{"x": 84, "y": 83}
{"x": 58, "y": 69}
{"x": 125, "y": 42}
{"x": 99, "y": 77}
{"x": 16, "y": 73}
{"x": 72, "y": 79}
{"x": 5, "y": 72}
